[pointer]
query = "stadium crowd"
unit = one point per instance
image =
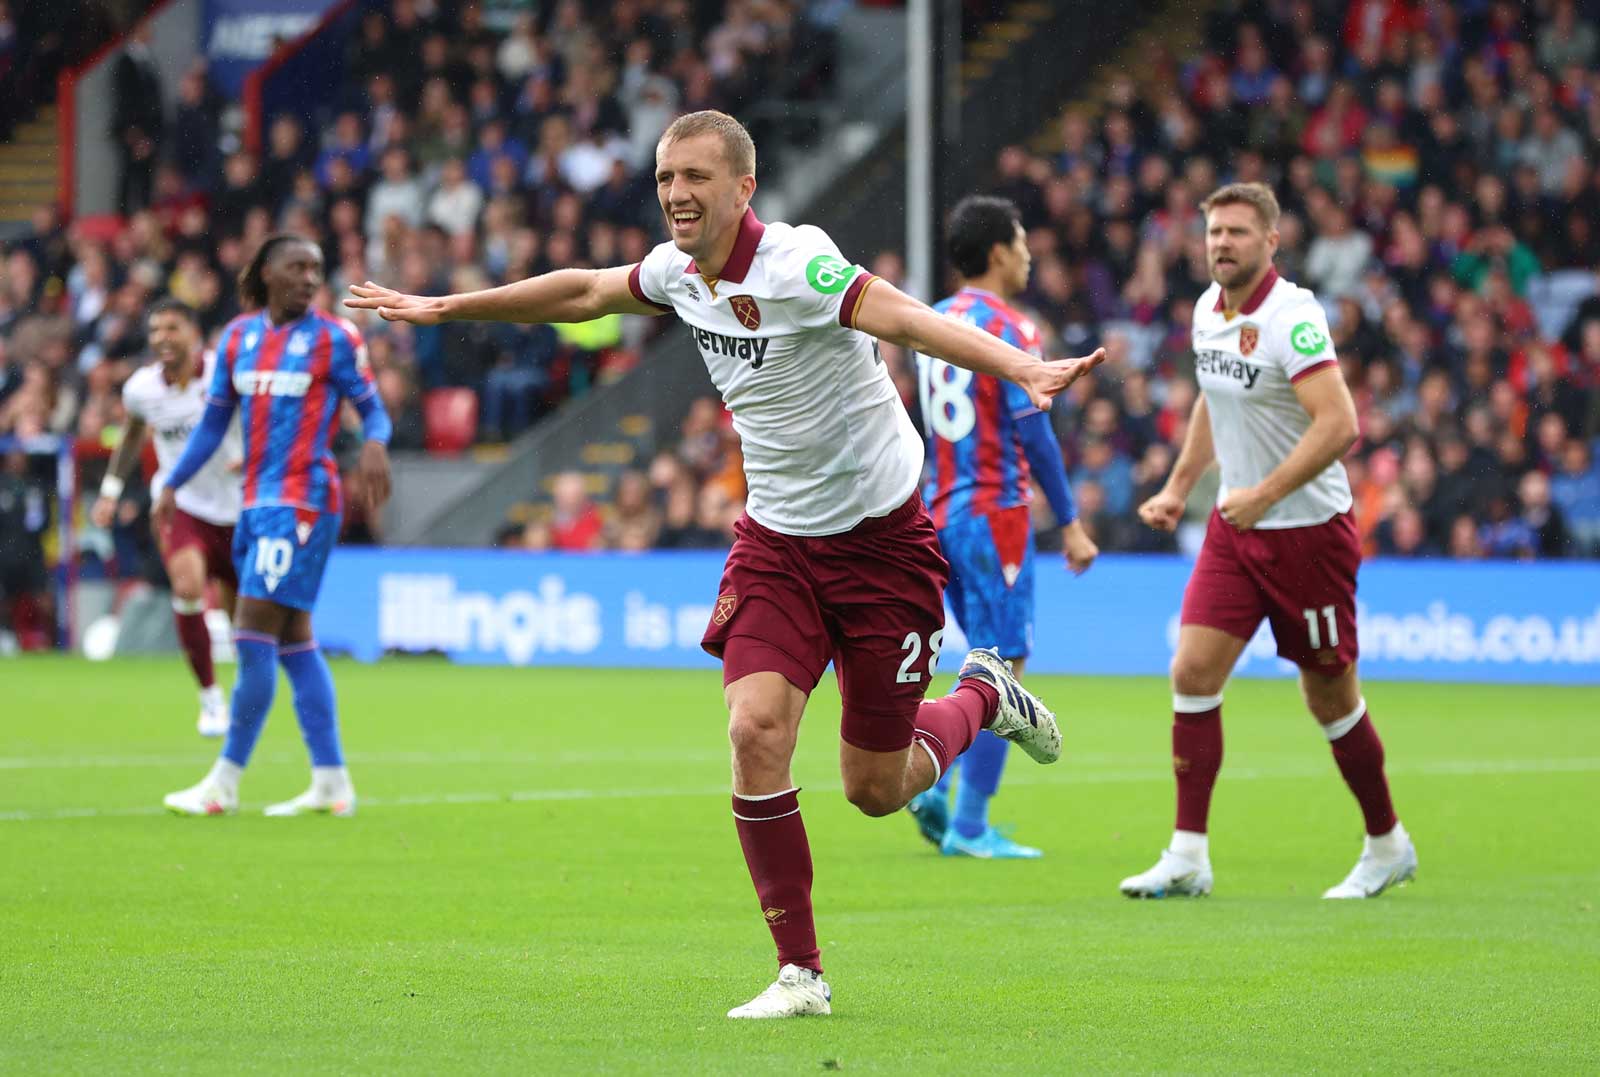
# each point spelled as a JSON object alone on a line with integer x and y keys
{"x": 457, "y": 155}
{"x": 1435, "y": 163}
{"x": 1437, "y": 171}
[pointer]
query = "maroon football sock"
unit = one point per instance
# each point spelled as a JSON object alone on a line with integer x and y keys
{"x": 1359, "y": 754}
{"x": 196, "y": 640}
{"x": 1196, "y": 758}
{"x": 948, "y": 726}
{"x": 779, "y": 858}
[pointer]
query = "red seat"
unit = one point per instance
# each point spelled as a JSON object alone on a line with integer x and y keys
{"x": 449, "y": 420}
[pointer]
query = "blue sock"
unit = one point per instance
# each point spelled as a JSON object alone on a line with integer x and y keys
{"x": 981, "y": 765}
{"x": 314, "y": 704}
{"x": 252, "y": 694}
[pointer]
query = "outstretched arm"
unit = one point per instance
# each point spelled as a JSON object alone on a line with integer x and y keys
{"x": 889, "y": 314}
{"x": 563, "y": 295}
{"x": 123, "y": 457}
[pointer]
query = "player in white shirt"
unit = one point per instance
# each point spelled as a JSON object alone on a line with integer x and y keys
{"x": 166, "y": 397}
{"x": 835, "y": 559}
{"x": 1274, "y": 412}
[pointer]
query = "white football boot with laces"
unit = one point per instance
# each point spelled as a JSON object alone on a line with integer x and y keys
{"x": 1387, "y": 860}
{"x": 1022, "y": 718}
{"x": 214, "y": 712}
{"x": 328, "y": 795}
{"x": 797, "y": 992}
{"x": 1174, "y": 875}
{"x": 210, "y": 797}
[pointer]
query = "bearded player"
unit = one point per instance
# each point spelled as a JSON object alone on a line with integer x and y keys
{"x": 288, "y": 368}
{"x": 167, "y": 397}
{"x": 1274, "y": 412}
{"x": 983, "y": 435}
{"x": 835, "y": 558}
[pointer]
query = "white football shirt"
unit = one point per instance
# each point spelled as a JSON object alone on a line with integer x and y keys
{"x": 172, "y": 412}
{"x": 1247, "y": 362}
{"x": 827, "y": 442}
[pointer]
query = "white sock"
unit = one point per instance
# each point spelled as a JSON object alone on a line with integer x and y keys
{"x": 1191, "y": 846}
{"x": 330, "y": 779}
{"x": 1388, "y": 846}
{"x": 225, "y": 772}
{"x": 211, "y": 695}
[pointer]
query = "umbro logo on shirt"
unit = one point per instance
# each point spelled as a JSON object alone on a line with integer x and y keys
{"x": 1223, "y": 365}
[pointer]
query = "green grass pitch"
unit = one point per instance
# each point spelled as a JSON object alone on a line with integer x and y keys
{"x": 544, "y": 879}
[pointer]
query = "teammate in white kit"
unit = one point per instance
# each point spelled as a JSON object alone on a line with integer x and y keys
{"x": 1274, "y": 412}
{"x": 836, "y": 559}
{"x": 167, "y": 398}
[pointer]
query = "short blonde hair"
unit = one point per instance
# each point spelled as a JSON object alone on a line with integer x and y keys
{"x": 737, "y": 145}
{"x": 1257, "y": 196}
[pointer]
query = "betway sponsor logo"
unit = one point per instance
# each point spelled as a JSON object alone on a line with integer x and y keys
{"x": 1222, "y": 365}
{"x": 253, "y": 37}
{"x": 425, "y": 612}
{"x": 751, "y": 349}
{"x": 271, "y": 382}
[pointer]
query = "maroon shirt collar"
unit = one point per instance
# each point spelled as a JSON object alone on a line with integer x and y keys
{"x": 744, "y": 250}
{"x": 1257, "y": 297}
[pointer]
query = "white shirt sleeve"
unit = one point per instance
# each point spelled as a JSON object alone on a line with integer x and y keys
{"x": 132, "y": 399}
{"x": 817, "y": 285}
{"x": 647, "y": 279}
{"x": 1300, "y": 340}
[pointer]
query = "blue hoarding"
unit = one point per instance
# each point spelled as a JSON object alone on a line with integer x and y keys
{"x": 1437, "y": 620}
{"x": 237, "y": 36}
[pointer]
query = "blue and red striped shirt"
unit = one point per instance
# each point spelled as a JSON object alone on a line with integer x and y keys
{"x": 977, "y": 463}
{"x": 288, "y": 381}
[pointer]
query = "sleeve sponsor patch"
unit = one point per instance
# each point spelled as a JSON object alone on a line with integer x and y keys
{"x": 829, "y": 275}
{"x": 1308, "y": 339}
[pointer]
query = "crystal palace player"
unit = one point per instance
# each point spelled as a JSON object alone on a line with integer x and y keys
{"x": 982, "y": 435}
{"x": 835, "y": 558}
{"x": 168, "y": 397}
{"x": 287, "y": 367}
{"x": 1275, "y": 414}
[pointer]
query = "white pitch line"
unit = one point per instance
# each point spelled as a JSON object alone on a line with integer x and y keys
{"x": 1442, "y": 768}
{"x": 130, "y": 762}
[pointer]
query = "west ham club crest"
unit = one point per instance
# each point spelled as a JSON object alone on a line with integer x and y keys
{"x": 1249, "y": 335}
{"x": 745, "y": 309}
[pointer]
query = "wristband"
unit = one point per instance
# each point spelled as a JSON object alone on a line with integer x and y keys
{"x": 111, "y": 487}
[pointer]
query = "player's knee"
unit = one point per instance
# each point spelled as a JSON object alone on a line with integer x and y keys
{"x": 1193, "y": 677}
{"x": 873, "y": 795}
{"x": 755, "y": 730}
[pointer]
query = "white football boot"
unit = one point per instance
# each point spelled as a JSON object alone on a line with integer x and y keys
{"x": 214, "y": 712}
{"x": 210, "y": 797}
{"x": 330, "y": 794}
{"x": 797, "y": 992}
{"x": 1022, "y": 718}
{"x": 1388, "y": 860}
{"x": 1174, "y": 875}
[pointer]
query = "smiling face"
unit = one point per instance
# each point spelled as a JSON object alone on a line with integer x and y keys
{"x": 173, "y": 340}
{"x": 701, "y": 195}
{"x": 1238, "y": 244}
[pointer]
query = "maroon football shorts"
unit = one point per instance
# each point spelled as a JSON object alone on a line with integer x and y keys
{"x": 871, "y": 600}
{"x": 1302, "y": 579}
{"x": 214, "y": 541}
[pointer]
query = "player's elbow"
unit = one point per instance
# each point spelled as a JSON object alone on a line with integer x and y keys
{"x": 1346, "y": 431}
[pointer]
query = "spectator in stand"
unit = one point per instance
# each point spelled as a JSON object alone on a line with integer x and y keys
{"x": 1575, "y": 491}
{"x": 575, "y": 523}
{"x": 138, "y": 119}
